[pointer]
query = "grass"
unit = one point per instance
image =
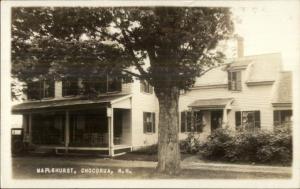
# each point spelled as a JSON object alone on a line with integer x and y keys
{"x": 136, "y": 156}
{"x": 26, "y": 168}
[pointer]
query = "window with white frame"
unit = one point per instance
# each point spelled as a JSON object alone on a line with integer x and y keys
{"x": 191, "y": 121}
{"x": 40, "y": 89}
{"x": 235, "y": 80}
{"x": 282, "y": 117}
{"x": 247, "y": 120}
{"x": 149, "y": 122}
{"x": 70, "y": 86}
{"x": 146, "y": 87}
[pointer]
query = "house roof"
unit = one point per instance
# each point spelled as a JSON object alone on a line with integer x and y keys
{"x": 211, "y": 103}
{"x": 260, "y": 68}
{"x": 283, "y": 93}
{"x": 66, "y": 103}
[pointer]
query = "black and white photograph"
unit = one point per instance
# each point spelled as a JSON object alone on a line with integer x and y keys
{"x": 147, "y": 94}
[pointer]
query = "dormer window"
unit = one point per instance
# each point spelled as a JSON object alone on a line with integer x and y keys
{"x": 235, "y": 80}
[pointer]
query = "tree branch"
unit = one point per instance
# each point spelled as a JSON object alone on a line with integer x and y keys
{"x": 133, "y": 74}
{"x": 135, "y": 61}
{"x": 213, "y": 67}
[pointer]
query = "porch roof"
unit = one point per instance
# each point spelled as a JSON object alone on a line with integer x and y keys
{"x": 213, "y": 103}
{"x": 101, "y": 101}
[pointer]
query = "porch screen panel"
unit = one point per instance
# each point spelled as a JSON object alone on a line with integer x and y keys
{"x": 48, "y": 129}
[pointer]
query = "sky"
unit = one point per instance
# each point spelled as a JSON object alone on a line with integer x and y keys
{"x": 267, "y": 29}
{"x": 270, "y": 29}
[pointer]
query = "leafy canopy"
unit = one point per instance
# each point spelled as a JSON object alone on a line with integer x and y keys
{"x": 177, "y": 42}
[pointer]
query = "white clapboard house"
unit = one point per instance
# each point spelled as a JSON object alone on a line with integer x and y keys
{"x": 247, "y": 92}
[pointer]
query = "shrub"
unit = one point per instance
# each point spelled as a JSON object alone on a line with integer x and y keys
{"x": 259, "y": 147}
{"x": 216, "y": 145}
{"x": 190, "y": 145}
{"x": 279, "y": 148}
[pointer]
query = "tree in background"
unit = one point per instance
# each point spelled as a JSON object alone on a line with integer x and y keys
{"x": 177, "y": 43}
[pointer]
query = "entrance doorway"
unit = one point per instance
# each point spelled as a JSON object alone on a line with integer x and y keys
{"x": 216, "y": 119}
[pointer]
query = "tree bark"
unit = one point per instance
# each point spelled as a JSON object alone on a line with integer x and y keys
{"x": 168, "y": 127}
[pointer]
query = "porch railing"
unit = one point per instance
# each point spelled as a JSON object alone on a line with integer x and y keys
{"x": 90, "y": 140}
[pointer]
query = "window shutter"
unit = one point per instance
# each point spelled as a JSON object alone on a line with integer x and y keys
{"x": 153, "y": 122}
{"x": 183, "y": 121}
{"x": 145, "y": 121}
{"x": 257, "y": 119}
{"x": 188, "y": 121}
{"x": 238, "y": 81}
{"x": 276, "y": 117}
{"x": 238, "y": 119}
{"x": 229, "y": 80}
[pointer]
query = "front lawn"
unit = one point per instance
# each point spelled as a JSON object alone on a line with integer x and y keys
{"x": 137, "y": 156}
{"x": 26, "y": 168}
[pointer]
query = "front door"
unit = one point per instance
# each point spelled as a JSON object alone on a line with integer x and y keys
{"x": 216, "y": 119}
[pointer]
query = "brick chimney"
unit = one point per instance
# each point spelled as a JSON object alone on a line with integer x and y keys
{"x": 240, "y": 46}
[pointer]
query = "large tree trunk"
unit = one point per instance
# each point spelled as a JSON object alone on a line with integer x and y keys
{"x": 168, "y": 127}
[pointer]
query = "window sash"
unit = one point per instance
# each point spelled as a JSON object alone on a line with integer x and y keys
{"x": 235, "y": 80}
{"x": 105, "y": 84}
{"x": 70, "y": 87}
{"x": 146, "y": 87}
{"x": 40, "y": 89}
{"x": 149, "y": 122}
{"x": 242, "y": 120}
{"x": 191, "y": 122}
{"x": 279, "y": 117}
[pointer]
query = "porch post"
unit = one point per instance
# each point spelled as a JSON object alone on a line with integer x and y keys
{"x": 29, "y": 128}
{"x": 224, "y": 119}
{"x": 109, "y": 113}
{"x": 67, "y": 131}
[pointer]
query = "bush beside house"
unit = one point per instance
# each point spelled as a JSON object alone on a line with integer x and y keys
{"x": 254, "y": 147}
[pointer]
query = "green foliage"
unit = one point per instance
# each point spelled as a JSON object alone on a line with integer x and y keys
{"x": 190, "y": 145}
{"x": 178, "y": 42}
{"x": 217, "y": 143}
{"x": 259, "y": 147}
